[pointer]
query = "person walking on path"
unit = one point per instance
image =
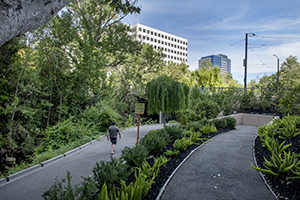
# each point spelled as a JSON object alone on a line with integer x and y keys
{"x": 112, "y": 133}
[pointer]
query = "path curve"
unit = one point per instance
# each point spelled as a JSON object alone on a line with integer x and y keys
{"x": 220, "y": 169}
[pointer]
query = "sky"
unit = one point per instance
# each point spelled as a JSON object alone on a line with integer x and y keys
{"x": 220, "y": 27}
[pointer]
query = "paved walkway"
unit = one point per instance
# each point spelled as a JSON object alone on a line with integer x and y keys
{"x": 220, "y": 170}
{"x": 81, "y": 163}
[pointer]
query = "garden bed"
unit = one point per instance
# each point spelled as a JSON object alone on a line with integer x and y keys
{"x": 283, "y": 187}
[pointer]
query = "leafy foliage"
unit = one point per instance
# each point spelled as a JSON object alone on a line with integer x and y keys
{"x": 208, "y": 128}
{"x": 155, "y": 140}
{"x": 135, "y": 156}
{"x": 166, "y": 95}
{"x": 110, "y": 172}
{"x": 174, "y": 131}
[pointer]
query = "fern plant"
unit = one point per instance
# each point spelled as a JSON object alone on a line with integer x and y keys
{"x": 171, "y": 153}
{"x": 208, "y": 128}
{"x": 183, "y": 143}
{"x": 278, "y": 163}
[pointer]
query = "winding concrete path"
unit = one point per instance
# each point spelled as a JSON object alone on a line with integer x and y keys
{"x": 220, "y": 169}
{"x": 79, "y": 164}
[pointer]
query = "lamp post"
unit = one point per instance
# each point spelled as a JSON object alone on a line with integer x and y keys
{"x": 245, "y": 60}
{"x": 277, "y": 69}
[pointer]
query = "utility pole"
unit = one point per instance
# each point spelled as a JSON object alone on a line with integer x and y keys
{"x": 245, "y": 60}
{"x": 277, "y": 69}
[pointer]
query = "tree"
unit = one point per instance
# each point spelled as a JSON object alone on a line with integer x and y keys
{"x": 167, "y": 96}
{"x": 129, "y": 79}
{"x": 208, "y": 75}
{"x": 179, "y": 72}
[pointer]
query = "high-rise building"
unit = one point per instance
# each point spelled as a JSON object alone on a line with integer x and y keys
{"x": 220, "y": 60}
{"x": 174, "y": 47}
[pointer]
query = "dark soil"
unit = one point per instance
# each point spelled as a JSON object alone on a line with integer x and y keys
{"x": 170, "y": 166}
{"x": 284, "y": 188}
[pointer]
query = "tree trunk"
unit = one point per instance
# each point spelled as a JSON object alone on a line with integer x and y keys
{"x": 16, "y": 94}
{"x": 19, "y": 16}
{"x": 49, "y": 110}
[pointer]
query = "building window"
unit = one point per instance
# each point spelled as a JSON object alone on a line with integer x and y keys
{"x": 154, "y": 46}
{"x": 175, "y": 45}
{"x": 162, "y": 36}
{"x": 166, "y": 37}
{"x": 168, "y": 44}
{"x": 171, "y": 57}
{"x": 155, "y": 40}
{"x": 140, "y": 29}
{"x": 155, "y": 33}
{"x": 140, "y": 36}
{"x": 148, "y": 31}
{"x": 172, "y": 39}
{"x": 159, "y": 35}
{"x": 151, "y": 39}
{"x": 171, "y": 51}
{"x": 144, "y": 30}
{"x": 144, "y": 37}
{"x": 171, "y": 45}
{"x": 147, "y": 38}
{"x": 175, "y": 41}
{"x": 168, "y": 50}
{"x": 175, "y": 52}
{"x": 168, "y": 56}
{"x": 151, "y": 32}
{"x": 158, "y": 41}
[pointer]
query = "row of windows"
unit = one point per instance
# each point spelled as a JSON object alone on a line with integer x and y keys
{"x": 162, "y": 42}
{"x": 162, "y": 36}
{"x": 169, "y": 50}
{"x": 175, "y": 58}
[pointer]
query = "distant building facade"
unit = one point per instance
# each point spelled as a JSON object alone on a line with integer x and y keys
{"x": 220, "y": 60}
{"x": 174, "y": 47}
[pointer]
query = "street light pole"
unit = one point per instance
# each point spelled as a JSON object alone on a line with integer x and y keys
{"x": 277, "y": 69}
{"x": 245, "y": 60}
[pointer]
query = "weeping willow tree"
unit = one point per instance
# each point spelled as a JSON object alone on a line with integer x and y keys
{"x": 167, "y": 96}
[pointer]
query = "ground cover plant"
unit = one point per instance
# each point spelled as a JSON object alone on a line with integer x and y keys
{"x": 277, "y": 151}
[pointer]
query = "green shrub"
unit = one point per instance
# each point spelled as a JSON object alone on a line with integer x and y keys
{"x": 61, "y": 191}
{"x": 208, "y": 128}
{"x": 171, "y": 153}
{"x": 155, "y": 140}
{"x": 194, "y": 136}
{"x": 100, "y": 116}
{"x": 230, "y": 122}
{"x": 216, "y": 122}
{"x": 182, "y": 144}
{"x": 110, "y": 172}
{"x": 129, "y": 122}
{"x": 174, "y": 131}
{"x": 194, "y": 125}
{"x": 135, "y": 156}
{"x": 222, "y": 123}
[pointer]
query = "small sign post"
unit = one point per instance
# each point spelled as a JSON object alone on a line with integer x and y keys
{"x": 139, "y": 110}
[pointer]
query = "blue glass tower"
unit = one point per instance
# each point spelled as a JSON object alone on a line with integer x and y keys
{"x": 220, "y": 60}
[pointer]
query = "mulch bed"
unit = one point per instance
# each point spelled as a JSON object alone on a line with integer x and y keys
{"x": 283, "y": 188}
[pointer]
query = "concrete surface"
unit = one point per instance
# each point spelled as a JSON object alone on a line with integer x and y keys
{"x": 220, "y": 170}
